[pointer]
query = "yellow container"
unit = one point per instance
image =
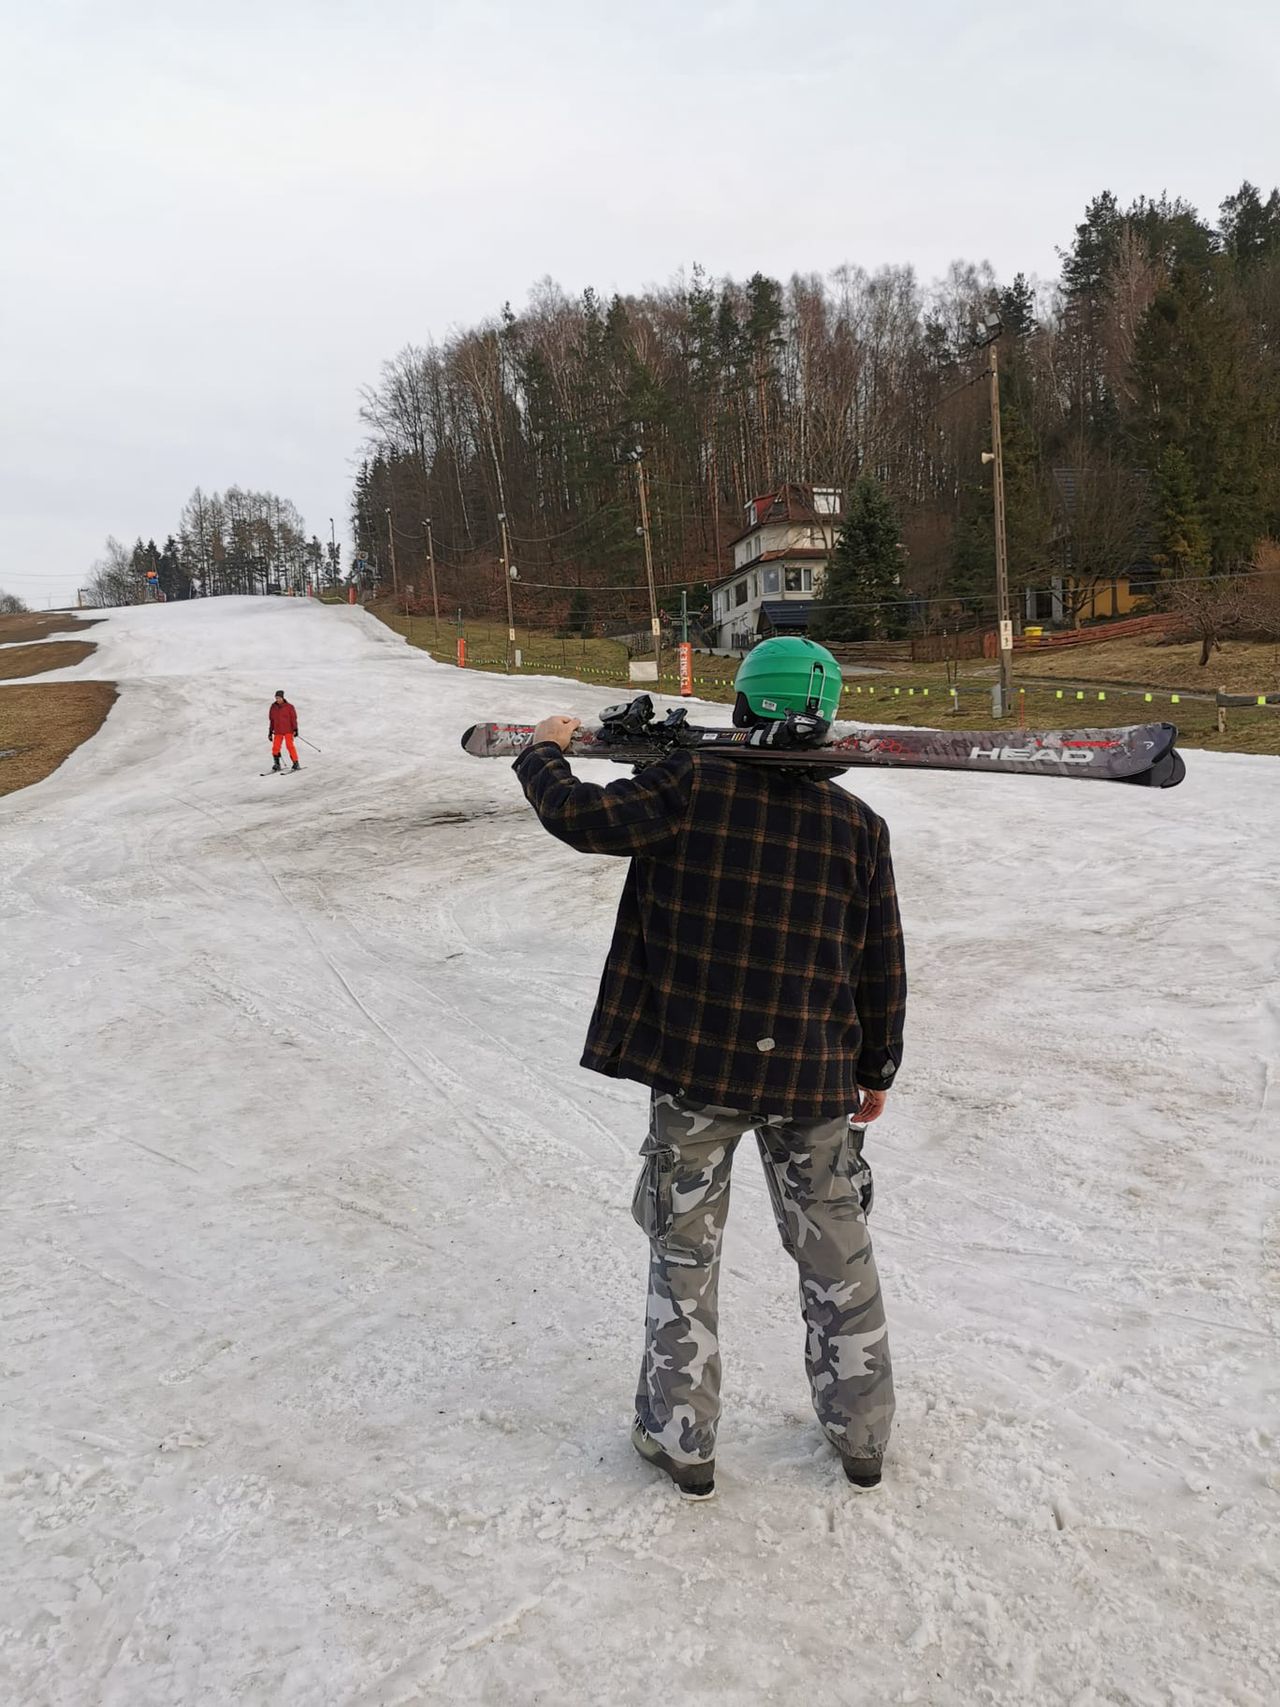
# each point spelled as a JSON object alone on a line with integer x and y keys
{"x": 1032, "y": 634}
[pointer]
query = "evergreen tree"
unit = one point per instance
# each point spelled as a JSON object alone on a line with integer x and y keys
{"x": 1181, "y": 532}
{"x": 1027, "y": 511}
{"x": 578, "y": 620}
{"x": 971, "y": 571}
{"x": 861, "y": 587}
{"x": 1250, "y": 227}
{"x": 1017, "y": 308}
{"x": 1197, "y": 391}
{"x": 174, "y": 583}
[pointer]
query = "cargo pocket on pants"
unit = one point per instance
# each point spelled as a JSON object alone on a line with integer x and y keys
{"x": 651, "y": 1200}
{"x": 858, "y": 1168}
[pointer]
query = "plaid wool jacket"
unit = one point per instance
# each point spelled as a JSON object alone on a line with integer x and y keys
{"x": 757, "y": 958}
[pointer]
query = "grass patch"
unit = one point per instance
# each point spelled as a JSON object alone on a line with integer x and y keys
{"x": 542, "y": 653}
{"x": 17, "y": 630}
{"x": 1242, "y": 666}
{"x": 898, "y": 695}
{"x": 42, "y": 722}
{"x": 17, "y": 661}
{"x": 1250, "y": 729}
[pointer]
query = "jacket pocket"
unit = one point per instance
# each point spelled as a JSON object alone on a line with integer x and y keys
{"x": 651, "y": 1200}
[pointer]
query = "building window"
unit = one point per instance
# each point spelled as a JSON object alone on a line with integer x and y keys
{"x": 771, "y": 580}
{"x": 740, "y": 591}
{"x": 798, "y": 580}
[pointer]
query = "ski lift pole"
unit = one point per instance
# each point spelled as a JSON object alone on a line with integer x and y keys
{"x": 654, "y": 621}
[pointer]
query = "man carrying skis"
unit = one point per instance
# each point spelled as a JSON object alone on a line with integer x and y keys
{"x": 282, "y": 726}
{"x": 755, "y": 982}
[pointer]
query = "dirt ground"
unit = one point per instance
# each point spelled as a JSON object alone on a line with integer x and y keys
{"x": 31, "y": 625}
{"x": 42, "y": 722}
{"x": 18, "y": 661}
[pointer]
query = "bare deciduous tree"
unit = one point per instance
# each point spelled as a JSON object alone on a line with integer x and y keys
{"x": 1209, "y": 609}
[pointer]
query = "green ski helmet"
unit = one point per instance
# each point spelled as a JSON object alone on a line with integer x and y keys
{"x": 786, "y": 674}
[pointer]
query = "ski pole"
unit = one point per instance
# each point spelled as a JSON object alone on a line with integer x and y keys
{"x": 307, "y": 743}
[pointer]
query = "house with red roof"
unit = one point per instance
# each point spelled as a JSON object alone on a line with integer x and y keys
{"x": 779, "y": 560}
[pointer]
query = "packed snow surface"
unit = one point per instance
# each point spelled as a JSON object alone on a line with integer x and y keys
{"x": 322, "y": 1303}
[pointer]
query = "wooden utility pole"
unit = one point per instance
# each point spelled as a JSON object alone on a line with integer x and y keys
{"x": 1003, "y": 615}
{"x": 431, "y": 565}
{"x": 643, "y": 488}
{"x": 506, "y": 581}
{"x": 391, "y": 543}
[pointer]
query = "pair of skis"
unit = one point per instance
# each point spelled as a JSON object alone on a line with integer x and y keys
{"x": 631, "y": 734}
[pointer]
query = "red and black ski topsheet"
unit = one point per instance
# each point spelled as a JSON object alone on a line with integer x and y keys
{"x": 1143, "y": 753}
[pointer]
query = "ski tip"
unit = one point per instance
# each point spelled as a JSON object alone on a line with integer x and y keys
{"x": 1166, "y": 772}
{"x": 466, "y": 738}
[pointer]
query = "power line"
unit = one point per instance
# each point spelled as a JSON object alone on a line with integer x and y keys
{"x": 629, "y": 587}
{"x": 604, "y": 510}
{"x": 520, "y": 539}
{"x": 882, "y": 604}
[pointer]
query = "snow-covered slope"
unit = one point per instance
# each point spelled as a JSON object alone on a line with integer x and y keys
{"x": 321, "y": 1301}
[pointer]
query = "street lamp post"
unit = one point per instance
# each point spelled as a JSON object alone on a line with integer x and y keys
{"x": 508, "y": 575}
{"x": 391, "y": 546}
{"x": 654, "y": 621}
{"x": 431, "y": 565}
{"x": 990, "y": 333}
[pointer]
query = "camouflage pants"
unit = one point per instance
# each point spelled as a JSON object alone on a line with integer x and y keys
{"x": 820, "y": 1188}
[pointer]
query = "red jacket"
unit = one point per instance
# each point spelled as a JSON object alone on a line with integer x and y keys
{"x": 282, "y": 719}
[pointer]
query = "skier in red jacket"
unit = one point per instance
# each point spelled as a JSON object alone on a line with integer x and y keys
{"x": 282, "y": 726}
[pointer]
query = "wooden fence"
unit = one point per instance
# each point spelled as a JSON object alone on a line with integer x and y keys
{"x": 1129, "y": 628}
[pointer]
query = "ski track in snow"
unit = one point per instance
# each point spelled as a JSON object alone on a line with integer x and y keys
{"x": 321, "y": 1301}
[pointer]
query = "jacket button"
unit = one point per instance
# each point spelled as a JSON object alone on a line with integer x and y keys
{"x": 765, "y": 1044}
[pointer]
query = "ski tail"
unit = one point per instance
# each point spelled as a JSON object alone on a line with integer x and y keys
{"x": 496, "y": 740}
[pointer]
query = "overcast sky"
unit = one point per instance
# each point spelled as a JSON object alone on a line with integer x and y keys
{"x": 216, "y": 221}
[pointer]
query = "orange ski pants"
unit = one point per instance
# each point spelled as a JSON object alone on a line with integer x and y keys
{"x": 288, "y": 741}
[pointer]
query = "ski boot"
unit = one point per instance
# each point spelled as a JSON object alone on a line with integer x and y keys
{"x": 694, "y": 1481}
{"x": 295, "y": 766}
{"x": 275, "y": 763}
